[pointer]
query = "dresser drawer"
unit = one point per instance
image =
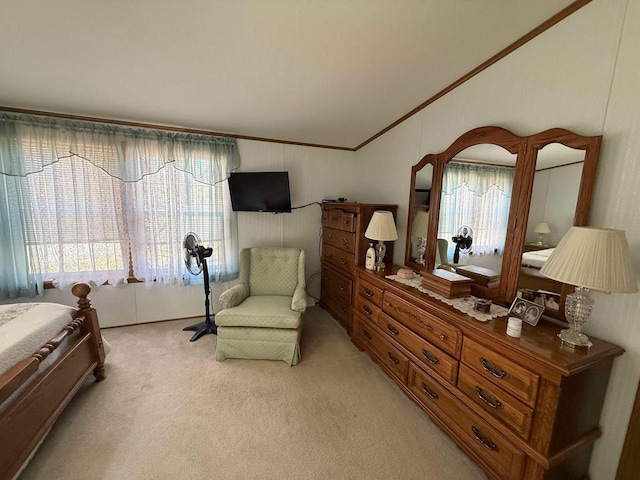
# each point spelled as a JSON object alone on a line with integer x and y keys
{"x": 499, "y": 370}
{"x": 339, "y": 309}
{"x": 433, "y": 359}
{"x": 486, "y": 443}
{"x": 388, "y": 355}
{"x": 336, "y": 285}
{"x": 367, "y": 309}
{"x": 338, "y": 258}
{"x": 370, "y": 292}
{"x": 339, "y": 219}
{"x": 337, "y": 238}
{"x": 498, "y": 403}
{"x": 439, "y": 333}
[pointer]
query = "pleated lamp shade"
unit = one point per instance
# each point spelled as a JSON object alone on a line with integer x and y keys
{"x": 381, "y": 227}
{"x": 594, "y": 258}
{"x": 420, "y": 224}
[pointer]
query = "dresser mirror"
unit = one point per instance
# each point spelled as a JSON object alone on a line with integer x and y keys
{"x": 475, "y": 200}
{"x": 419, "y": 209}
{"x": 552, "y": 175}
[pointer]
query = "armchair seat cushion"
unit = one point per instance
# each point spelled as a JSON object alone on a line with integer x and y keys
{"x": 270, "y": 311}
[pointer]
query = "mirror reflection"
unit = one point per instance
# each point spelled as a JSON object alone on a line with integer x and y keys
{"x": 552, "y": 211}
{"x": 476, "y": 195}
{"x": 420, "y": 213}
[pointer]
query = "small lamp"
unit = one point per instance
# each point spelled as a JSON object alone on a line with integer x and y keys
{"x": 590, "y": 259}
{"x": 383, "y": 229}
{"x": 541, "y": 228}
{"x": 419, "y": 228}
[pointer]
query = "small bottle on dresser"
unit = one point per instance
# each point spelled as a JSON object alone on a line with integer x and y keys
{"x": 370, "y": 258}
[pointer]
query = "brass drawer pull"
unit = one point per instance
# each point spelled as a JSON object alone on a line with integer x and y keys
{"x": 342, "y": 288}
{"x": 392, "y": 358}
{"x": 442, "y": 336}
{"x": 492, "y": 368}
{"x": 343, "y": 309}
{"x": 344, "y": 240}
{"x": 367, "y": 310}
{"x": 328, "y": 254}
{"x": 488, "y": 399}
{"x": 366, "y": 334}
{"x": 483, "y": 439}
{"x": 428, "y": 391}
{"x": 368, "y": 292}
{"x": 392, "y": 329}
{"x": 343, "y": 261}
{"x": 329, "y": 235}
{"x": 430, "y": 357}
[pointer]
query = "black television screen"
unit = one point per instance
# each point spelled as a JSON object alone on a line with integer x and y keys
{"x": 260, "y": 192}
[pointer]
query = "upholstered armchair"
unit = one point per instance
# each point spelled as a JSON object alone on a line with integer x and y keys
{"x": 262, "y": 314}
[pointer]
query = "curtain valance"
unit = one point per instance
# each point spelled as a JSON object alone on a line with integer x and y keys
{"x": 479, "y": 178}
{"x": 48, "y": 140}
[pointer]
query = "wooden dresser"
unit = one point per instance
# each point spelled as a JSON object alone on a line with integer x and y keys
{"x": 344, "y": 247}
{"x": 522, "y": 408}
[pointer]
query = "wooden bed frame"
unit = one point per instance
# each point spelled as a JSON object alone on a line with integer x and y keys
{"x": 25, "y": 422}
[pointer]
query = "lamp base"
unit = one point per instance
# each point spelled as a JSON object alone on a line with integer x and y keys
{"x": 571, "y": 339}
{"x": 381, "y": 250}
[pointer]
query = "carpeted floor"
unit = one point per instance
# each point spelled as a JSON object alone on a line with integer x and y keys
{"x": 168, "y": 410}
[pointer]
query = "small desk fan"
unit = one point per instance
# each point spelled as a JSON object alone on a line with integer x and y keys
{"x": 195, "y": 259}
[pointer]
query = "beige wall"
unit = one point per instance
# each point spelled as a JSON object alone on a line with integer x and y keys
{"x": 582, "y": 75}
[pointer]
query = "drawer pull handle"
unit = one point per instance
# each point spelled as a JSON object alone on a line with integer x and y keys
{"x": 343, "y": 261}
{"x": 392, "y": 329}
{"x": 344, "y": 240}
{"x": 343, "y": 309}
{"x": 366, "y": 334}
{"x": 483, "y": 439}
{"x": 443, "y": 336}
{"x": 392, "y": 358}
{"x": 428, "y": 391}
{"x": 329, "y": 235}
{"x": 368, "y": 292}
{"x": 328, "y": 254}
{"x": 488, "y": 399}
{"x": 492, "y": 368}
{"x": 342, "y": 287}
{"x": 367, "y": 310}
{"x": 430, "y": 357}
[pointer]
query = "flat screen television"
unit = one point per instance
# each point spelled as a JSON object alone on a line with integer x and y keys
{"x": 260, "y": 192}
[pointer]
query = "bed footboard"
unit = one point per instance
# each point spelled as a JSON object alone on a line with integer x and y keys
{"x": 31, "y": 414}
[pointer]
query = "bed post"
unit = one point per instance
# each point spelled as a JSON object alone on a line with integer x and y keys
{"x": 90, "y": 325}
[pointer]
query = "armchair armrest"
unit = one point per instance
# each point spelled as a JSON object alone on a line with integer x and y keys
{"x": 299, "y": 300}
{"x": 234, "y": 296}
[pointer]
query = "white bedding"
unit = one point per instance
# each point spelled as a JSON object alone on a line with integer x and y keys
{"x": 25, "y": 327}
{"x": 536, "y": 258}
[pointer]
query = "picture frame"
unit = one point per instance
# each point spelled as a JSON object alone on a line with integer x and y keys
{"x": 527, "y": 311}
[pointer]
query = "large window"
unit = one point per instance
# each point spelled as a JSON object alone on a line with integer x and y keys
{"x": 93, "y": 202}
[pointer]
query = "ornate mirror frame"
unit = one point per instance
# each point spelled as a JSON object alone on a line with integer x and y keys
{"x": 526, "y": 149}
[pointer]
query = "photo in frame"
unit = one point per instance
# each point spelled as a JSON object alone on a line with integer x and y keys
{"x": 527, "y": 311}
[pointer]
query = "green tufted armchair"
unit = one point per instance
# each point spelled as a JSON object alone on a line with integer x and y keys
{"x": 262, "y": 314}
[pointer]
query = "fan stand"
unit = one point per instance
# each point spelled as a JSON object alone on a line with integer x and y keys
{"x": 207, "y": 326}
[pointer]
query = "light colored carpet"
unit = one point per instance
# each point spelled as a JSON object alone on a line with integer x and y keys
{"x": 168, "y": 410}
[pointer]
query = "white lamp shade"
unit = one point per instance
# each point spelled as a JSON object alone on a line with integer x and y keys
{"x": 542, "y": 227}
{"x": 381, "y": 227}
{"x": 594, "y": 258}
{"x": 420, "y": 224}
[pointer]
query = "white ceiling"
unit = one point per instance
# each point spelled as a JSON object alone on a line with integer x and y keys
{"x": 330, "y": 72}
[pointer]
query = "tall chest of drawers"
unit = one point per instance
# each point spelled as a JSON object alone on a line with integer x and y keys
{"x": 343, "y": 248}
{"x": 522, "y": 408}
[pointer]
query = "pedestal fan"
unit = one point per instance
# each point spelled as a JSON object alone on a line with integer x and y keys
{"x": 463, "y": 241}
{"x": 195, "y": 259}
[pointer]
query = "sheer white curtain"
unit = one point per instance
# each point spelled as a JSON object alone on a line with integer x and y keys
{"x": 478, "y": 196}
{"x": 80, "y": 198}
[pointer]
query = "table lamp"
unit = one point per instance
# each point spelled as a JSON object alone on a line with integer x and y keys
{"x": 541, "y": 228}
{"x": 590, "y": 259}
{"x": 383, "y": 229}
{"x": 419, "y": 228}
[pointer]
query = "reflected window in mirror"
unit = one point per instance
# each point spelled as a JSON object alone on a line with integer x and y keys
{"x": 474, "y": 213}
